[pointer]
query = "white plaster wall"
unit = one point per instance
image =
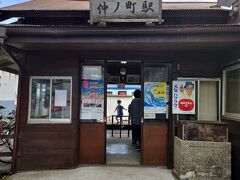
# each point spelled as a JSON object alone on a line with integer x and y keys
{"x": 8, "y": 86}
{"x": 112, "y": 103}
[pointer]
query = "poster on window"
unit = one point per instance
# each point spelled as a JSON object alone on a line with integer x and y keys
{"x": 92, "y": 99}
{"x": 183, "y": 97}
{"x": 60, "y": 98}
{"x": 155, "y": 94}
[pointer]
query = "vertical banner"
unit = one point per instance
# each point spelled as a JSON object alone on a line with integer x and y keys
{"x": 183, "y": 97}
{"x": 92, "y": 99}
{"x": 155, "y": 94}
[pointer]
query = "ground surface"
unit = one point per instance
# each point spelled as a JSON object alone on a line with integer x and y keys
{"x": 123, "y": 163}
{"x": 99, "y": 173}
{"x": 121, "y": 151}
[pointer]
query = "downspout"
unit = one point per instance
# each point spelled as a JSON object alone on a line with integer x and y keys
{"x": 3, "y": 37}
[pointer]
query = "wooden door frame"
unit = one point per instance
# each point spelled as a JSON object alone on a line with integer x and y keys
{"x": 91, "y": 63}
{"x": 140, "y": 62}
{"x": 171, "y": 118}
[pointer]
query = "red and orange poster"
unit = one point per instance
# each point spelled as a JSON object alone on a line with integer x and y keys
{"x": 183, "y": 97}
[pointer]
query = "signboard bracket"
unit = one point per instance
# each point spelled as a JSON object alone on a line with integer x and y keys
{"x": 102, "y": 23}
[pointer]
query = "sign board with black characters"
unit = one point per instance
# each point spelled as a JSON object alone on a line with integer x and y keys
{"x": 148, "y": 11}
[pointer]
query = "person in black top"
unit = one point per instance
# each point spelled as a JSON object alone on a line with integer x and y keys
{"x": 135, "y": 114}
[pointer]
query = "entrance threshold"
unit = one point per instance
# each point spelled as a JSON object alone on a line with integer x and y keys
{"x": 121, "y": 151}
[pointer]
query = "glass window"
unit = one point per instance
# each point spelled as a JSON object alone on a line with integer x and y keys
{"x": 155, "y": 92}
{"x": 46, "y": 92}
{"x": 61, "y": 89}
{"x": 156, "y": 73}
{"x": 40, "y": 95}
{"x": 231, "y": 105}
{"x": 207, "y": 99}
{"x": 92, "y": 72}
{"x": 92, "y": 93}
{"x": 122, "y": 93}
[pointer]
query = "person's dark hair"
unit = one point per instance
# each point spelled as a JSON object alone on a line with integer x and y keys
{"x": 137, "y": 93}
{"x": 119, "y": 101}
{"x": 188, "y": 83}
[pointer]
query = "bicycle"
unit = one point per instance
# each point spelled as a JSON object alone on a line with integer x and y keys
{"x": 7, "y": 127}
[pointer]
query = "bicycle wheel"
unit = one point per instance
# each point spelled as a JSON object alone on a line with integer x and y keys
{"x": 10, "y": 141}
{"x": 7, "y": 146}
{"x": 5, "y": 158}
{"x": 3, "y": 131}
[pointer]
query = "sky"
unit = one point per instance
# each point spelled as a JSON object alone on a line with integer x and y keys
{"x": 4, "y": 3}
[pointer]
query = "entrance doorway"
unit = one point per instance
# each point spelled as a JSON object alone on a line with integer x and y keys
{"x": 105, "y": 139}
{"x": 123, "y": 78}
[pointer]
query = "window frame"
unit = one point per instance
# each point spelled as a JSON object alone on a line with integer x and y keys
{"x": 224, "y": 97}
{"x": 198, "y": 81}
{"x": 48, "y": 120}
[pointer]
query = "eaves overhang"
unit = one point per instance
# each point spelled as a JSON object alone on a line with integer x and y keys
{"x": 32, "y": 37}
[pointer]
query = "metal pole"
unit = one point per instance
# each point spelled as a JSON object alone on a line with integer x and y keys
{"x": 112, "y": 126}
{"x": 128, "y": 125}
{"x": 120, "y": 127}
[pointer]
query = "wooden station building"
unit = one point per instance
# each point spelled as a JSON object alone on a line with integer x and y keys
{"x": 56, "y": 49}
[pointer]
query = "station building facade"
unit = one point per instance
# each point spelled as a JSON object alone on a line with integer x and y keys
{"x": 58, "y": 52}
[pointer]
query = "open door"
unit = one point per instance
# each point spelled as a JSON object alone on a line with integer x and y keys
{"x": 124, "y": 77}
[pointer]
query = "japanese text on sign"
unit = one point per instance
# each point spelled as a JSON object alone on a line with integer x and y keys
{"x": 125, "y": 11}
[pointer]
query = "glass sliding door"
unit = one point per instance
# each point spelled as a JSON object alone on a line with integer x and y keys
{"x": 92, "y": 93}
{"x": 156, "y": 92}
{"x": 92, "y": 128}
{"x": 155, "y": 114}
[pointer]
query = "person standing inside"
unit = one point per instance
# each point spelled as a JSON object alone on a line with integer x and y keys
{"x": 119, "y": 110}
{"x": 130, "y": 120}
{"x": 135, "y": 114}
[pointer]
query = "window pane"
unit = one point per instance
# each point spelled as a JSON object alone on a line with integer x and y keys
{"x": 122, "y": 93}
{"x": 40, "y": 96}
{"x": 155, "y": 92}
{"x": 208, "y": 101}
{"x": 61, "y": 100}
{"x": 92, "y": 72}
{"x": 233, "y": 91}
{"x": 156, "y": 74}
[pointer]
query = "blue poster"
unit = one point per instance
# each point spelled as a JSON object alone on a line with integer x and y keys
{"x": 92, "y": 96}
{"x": 155, "y": 97}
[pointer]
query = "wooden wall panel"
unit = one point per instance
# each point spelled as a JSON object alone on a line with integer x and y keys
{"x": 199, "y": 64}
{"x": 234, "y": 138}
{"x": 47, "y": 146}
{"x": 154, "y": 144}
{"x": 92, "y": 143}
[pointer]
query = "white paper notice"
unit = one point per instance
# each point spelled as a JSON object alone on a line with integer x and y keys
{"x": 60, "y": 98}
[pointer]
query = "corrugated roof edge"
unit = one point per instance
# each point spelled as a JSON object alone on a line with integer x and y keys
{"x": 6, "y": 10}
{"x": 109, "y": 27}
